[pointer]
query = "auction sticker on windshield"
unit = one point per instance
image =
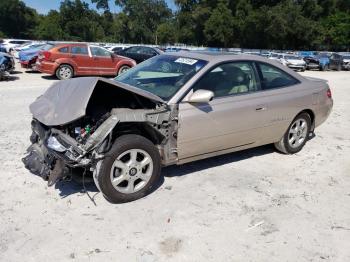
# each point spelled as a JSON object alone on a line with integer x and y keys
{"x": 187, "y": 61}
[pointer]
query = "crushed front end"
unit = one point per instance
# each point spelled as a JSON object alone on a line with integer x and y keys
{"x": 76, "y": 122}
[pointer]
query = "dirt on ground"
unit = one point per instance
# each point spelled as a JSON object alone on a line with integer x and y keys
{"x": 255, "y": 205}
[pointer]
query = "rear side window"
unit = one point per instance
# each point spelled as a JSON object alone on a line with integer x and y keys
{"x": 63, "y": 50}
{"x": 273, "y": 77}
{"x": 80, "y": 50}
{"x": 98, "y": 51}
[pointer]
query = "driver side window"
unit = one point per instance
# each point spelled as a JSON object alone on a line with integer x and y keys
{"x": 229, "y": 79}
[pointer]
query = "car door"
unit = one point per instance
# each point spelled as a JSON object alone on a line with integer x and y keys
{"x": 82, "y": 60}
{"x": 103, "y": 61}
{"x": 283, "y": 97}
{"x": 146, "y": 53}
{"x": 233, "y": 119}
{"x": 134, "y": 53}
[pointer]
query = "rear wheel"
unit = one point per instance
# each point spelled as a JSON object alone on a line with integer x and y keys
{"x": 296, "y": 136}
{"x": 130, "y": 170}
{"x": 64, "y": 72}
{"x": 123, "y": 69}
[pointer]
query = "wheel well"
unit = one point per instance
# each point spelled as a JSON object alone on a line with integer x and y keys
{"x": 142, "y": 129}
{"x": 122, "y": 66}
{"x": 312, "y": 116}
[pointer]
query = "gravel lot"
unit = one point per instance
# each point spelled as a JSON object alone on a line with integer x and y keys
{"x": 255, "y": 205}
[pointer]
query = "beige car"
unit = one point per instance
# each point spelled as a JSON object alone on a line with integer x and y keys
{"x": 171, "y": 109}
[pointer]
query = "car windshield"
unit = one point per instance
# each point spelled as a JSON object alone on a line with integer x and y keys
{"x": 291, "y": 57}
{"x": 162, "y": 75}
{"x": 346, "y": 56}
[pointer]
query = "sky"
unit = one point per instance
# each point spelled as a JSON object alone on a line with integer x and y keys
{"x": 44, "y": 6}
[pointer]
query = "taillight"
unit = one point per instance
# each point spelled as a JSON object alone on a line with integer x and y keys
{"x": 329, "y": 93}
{"x": 46, "y": 55}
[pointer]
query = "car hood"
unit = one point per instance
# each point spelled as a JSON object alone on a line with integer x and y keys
{"x": 67, "y": 100}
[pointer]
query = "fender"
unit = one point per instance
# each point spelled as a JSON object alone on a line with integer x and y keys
{"x": 67, "y": 61}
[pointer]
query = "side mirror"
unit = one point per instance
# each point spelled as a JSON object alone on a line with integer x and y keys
{"x": 201, "y": 96}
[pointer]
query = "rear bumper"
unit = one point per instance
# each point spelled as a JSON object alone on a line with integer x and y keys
{"x": 46, "y": 67}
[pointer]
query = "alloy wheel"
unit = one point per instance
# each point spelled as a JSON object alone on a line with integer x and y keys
{"x": 297, "y": 133}
{"x": 131, "y": 171}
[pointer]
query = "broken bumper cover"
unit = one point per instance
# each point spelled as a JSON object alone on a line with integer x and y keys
{"x": 53, "y": 152}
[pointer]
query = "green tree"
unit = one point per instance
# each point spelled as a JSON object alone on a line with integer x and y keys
{"x": 17, "y": 20}
{"x": 166, "y": 33}
{"x": 49, "y": 28}
{"x": 219, "y": 27}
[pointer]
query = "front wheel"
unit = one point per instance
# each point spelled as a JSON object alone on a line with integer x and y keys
{"x": 296, "y": 136}
{"x": 130, "y": 170}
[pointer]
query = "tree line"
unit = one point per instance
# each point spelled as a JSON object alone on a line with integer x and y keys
{"x": 262, "y": 24}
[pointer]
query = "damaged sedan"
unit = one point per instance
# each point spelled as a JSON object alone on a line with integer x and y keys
{"x": 171, "y": 109}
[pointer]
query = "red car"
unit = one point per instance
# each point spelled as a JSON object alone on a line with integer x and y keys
{"x": 69, "y": 60}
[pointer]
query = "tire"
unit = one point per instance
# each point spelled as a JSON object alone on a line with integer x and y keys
{"x": 64, "y": 72}
{"x": 132, "y": 180}
{"x": 338, "y": 67}
{"x": 123, "y": 69}
{"x": 296, "y": 130}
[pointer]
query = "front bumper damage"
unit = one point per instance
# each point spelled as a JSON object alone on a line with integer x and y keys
{"x": 57, "y": 144}
{"x": 54, "y": 153}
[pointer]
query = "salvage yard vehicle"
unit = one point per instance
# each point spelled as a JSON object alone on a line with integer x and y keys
{"x": 346, "y": 60}
{"x": 68, "y": 60}
{"x": 318, "y": 61}
{"x": 293, "y": 62}
{"x": 7, "y": 65}
{"x": 29, "y": 56}
{"x": 10, "y": 44}
{"x": 336, "y": 62}
{"x": 202, "y": 105}
{"x": 139, "y": 53}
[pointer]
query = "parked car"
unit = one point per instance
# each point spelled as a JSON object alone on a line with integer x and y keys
{"x": 346, "y": 60}
{"x": 25, "y": 47}
{"x": 139, "y": 53}
{"x": 68, "y": 60}
{"x": 125, "y": 130}
{"x": 336, "y": 62}
{"x": 7, "y": 65}
{"x": 10, "y": 44}
{"x": 116, "y": 48}
{"x": 319, "y": 61}
{"x": 275, "y": 56}
{"x": 293, "y": 61}
{"x": 306, "y": 53}
{"x": 29, "y": 56}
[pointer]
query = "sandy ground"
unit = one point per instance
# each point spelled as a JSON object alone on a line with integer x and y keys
{"x": 256, "y": 205}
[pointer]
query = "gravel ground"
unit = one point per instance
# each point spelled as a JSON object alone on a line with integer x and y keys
{"x": 255, "y": 205}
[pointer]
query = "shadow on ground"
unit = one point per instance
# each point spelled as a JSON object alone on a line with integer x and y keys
{"x": 68, "y": 188}
{"x": 9, "y": 78}
{"x": 48, "y": 77}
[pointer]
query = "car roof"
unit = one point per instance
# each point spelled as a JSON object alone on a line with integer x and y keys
{"x": 217, "y": 56}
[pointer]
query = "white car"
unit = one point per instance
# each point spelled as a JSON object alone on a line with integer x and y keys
{"x": 116, "y": 48}
{"x": 274, "y": 56}
{"x": 293, "y": 61}
{"x": 10, "y": 44}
